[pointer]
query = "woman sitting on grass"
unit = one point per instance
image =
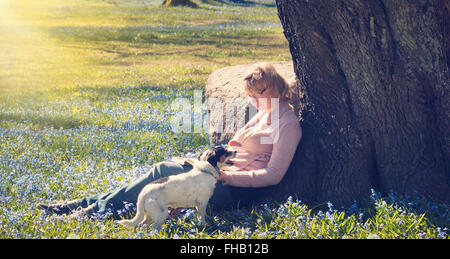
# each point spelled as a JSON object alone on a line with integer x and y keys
{"x": 257, "y": 163}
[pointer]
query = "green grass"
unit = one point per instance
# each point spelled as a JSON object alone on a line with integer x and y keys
{"x": 85, "y": 95}
{"x": 68, "y": 44}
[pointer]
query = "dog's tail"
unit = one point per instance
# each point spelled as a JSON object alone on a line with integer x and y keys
{"x": 138, "y": 218}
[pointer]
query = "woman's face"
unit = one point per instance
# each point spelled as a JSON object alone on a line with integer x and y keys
{"x": 261, "y": 100}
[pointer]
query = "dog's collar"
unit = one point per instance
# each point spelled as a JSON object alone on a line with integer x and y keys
{"x": 214, "y": 169}
{"x": 211, "y": 173}
{"x": 211, "y": 170}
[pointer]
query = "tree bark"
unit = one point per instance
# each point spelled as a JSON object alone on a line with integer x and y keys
{"x": 374, "y": 101}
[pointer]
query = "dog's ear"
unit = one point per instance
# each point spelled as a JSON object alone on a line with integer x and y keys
{"x": 220, "y": 151}
{"x": 209, "y": 155}
{"x": 203, "y": 156}
{"x": 213, "y": 160}
{"x": 212, "y": 157}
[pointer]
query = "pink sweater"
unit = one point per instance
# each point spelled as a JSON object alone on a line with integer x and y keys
{"x": 258, "y": 164}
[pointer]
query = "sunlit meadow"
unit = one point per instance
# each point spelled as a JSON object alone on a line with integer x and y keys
{"x": 85, "y": 94}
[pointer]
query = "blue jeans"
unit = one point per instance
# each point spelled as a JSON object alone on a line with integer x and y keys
{"x": 116, "y": 201}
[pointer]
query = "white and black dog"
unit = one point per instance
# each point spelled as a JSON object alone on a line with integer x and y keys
{"x": 191, "y": 189}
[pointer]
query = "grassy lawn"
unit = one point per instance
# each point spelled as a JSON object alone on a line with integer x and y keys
{"x": 67, "y": 44}
{"x": 85, "y": 102}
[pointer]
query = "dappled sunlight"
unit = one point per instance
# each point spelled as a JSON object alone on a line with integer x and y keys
{"x": 53, "y": 44}
{"x": 30, "y": 60}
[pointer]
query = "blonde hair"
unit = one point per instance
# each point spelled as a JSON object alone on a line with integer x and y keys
{"x": 265, "y": 76}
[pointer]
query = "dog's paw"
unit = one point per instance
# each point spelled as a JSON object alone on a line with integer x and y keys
{"x": 126, "y": 223}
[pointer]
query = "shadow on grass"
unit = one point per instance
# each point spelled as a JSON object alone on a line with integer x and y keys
{"x": 238, "y": 3}
{"x": 180, "y": 34}
{"x": 42, "y": 121}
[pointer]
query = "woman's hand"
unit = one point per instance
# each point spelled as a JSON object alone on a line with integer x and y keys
{"x": 222, "y": 177}
{"x": 233, "y": 143}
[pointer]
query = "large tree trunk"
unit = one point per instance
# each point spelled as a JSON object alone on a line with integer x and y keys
{"x": 373, "y": 100}
{"x": 374, "y": 106}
